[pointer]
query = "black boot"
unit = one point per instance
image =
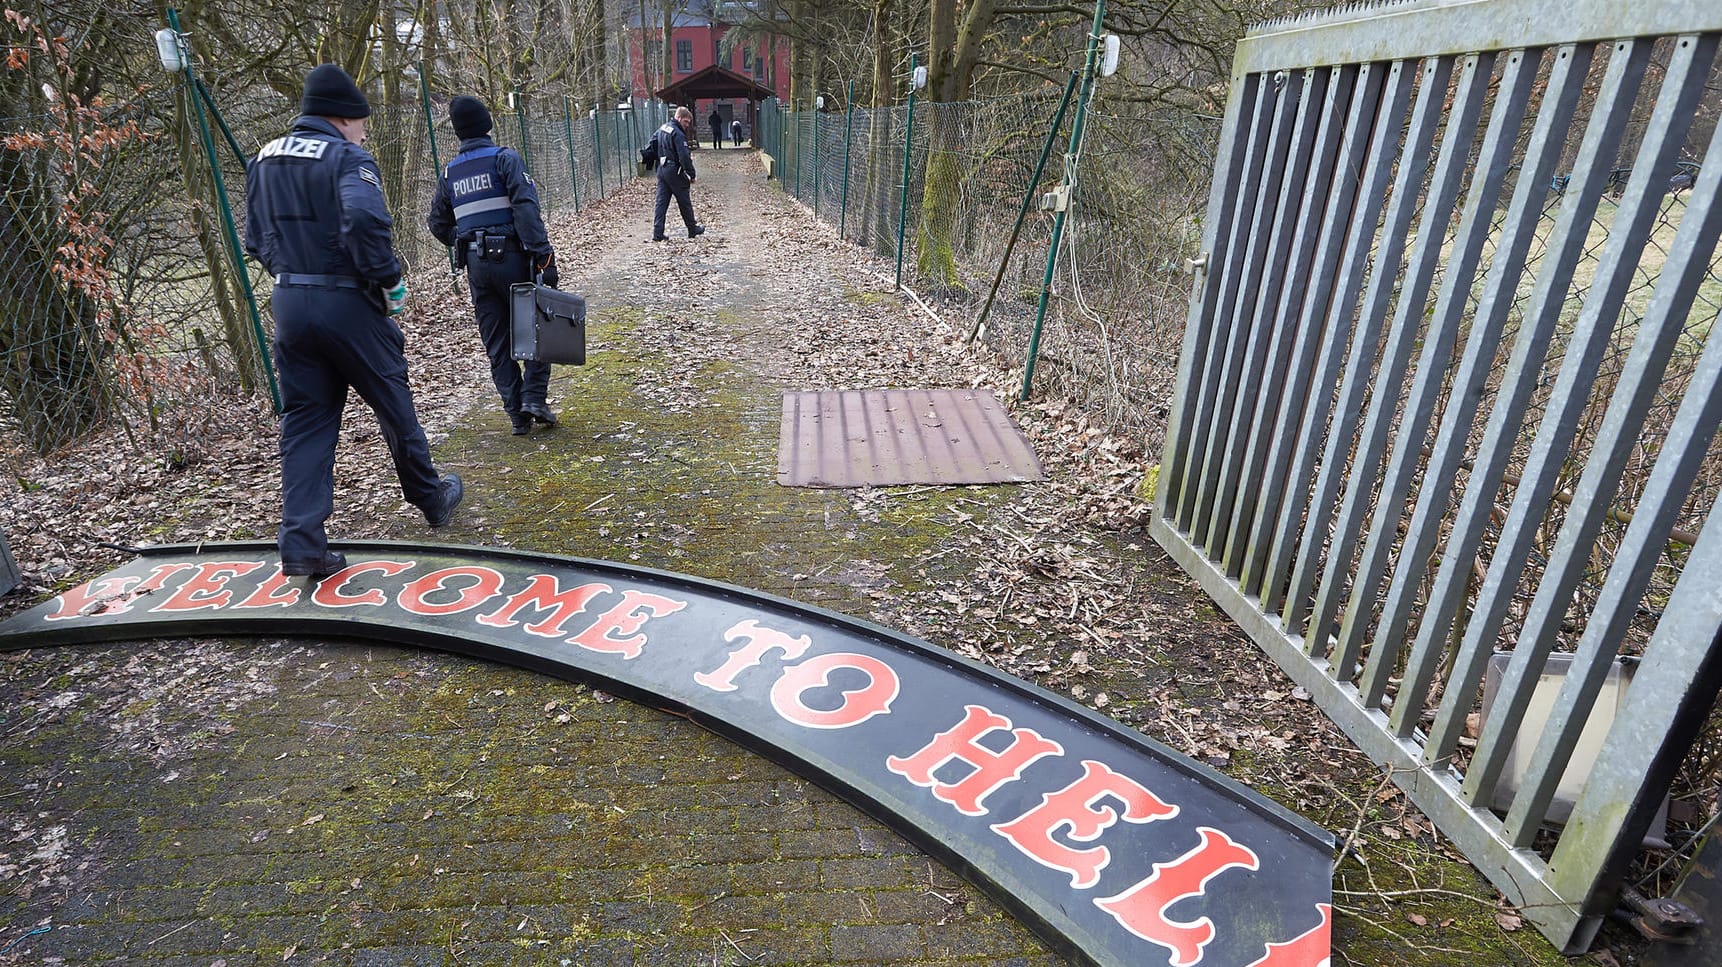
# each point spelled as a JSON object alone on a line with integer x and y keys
{"x": 447, "y": 498}
{"x": 328, "y": 564}
{"x": 521, "y": 422}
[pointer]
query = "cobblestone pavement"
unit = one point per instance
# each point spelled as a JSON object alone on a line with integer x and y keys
{"x": 247, "y": 802}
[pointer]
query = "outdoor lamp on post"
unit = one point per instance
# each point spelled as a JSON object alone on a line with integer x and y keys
{"x": 1110, "y": 47}
{"x": 167, "y": 47}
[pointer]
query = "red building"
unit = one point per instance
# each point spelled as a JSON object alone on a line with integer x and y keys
{"x": 695, "y": 43}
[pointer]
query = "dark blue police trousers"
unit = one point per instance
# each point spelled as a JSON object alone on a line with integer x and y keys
{"x": 327, "y": 340}
{"x": 517, "y": 383}
{"x": 672, "y": 185}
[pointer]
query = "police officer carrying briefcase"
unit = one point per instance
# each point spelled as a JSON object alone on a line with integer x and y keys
{"x": 486, "y": 206}
{"x": 315, "y": 218}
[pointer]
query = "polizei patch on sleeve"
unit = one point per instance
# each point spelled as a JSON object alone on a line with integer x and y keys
{"x": 292, "y": 146}
{"x": 1116, "y": 849}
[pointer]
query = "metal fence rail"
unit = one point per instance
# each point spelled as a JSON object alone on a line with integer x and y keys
{"x": 1449, "y": 389}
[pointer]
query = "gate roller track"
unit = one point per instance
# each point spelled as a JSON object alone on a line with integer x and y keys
{"x": 1114, "y": 848}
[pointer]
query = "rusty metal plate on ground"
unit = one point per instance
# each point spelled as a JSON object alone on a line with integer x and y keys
{"x": 1114, "y": 848}
{"x": 857, "y": 438}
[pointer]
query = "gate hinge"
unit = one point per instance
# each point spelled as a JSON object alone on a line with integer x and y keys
{"x": 1660, "y": 918}
{"x": 1197, "y": 264}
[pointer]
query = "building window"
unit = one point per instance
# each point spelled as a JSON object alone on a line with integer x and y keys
{"x": 759, "y": 67}
{"x": 654, "y": 56}
{"x": 747, "y": 60}
{"x": 684, "y": 56}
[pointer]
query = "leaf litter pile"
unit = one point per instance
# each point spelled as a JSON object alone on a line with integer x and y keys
{"x": 1056, "y": 582}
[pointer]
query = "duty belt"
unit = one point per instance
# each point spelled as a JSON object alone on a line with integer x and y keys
{"x": 320, "y": 281}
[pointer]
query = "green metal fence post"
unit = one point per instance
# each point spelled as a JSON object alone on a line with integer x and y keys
{"x": 598, "y": 153}
{"x": 436, "y": 160}
{"x": 229, "y": 233}
{"x": 520, "y": 119}
{"x": 1070, "y": 159}
{"x": 848, "y": 130}
{"x": 908, "y": 138}
{"x": 816, "y": 113}
{"x": 1027, "y": 200}
{"x": 573, "y": 165}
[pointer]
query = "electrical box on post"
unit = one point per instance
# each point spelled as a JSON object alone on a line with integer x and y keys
{"x": 1056, "y": 200}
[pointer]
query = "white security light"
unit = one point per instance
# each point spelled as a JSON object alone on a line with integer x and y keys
{"x": 167, "y": 48}
{"x": 512, "y": 104}
{"x": 819, "y": 103}
{"x": 1109, "y": 59}
{"x": 920, "y": 79}
{"x": 592, "y": 113}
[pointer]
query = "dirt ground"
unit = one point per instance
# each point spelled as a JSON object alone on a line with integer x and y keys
{"x": 310, "y": 801}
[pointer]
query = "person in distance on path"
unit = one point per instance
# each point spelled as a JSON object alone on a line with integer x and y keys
{"x": 486, "y": 206}
{"x": 675, "y": 174}
{"x": 717, "y": 128}
{"x": 316, "y": 220}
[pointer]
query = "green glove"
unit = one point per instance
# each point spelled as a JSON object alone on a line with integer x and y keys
{"x": 397, "y": 298}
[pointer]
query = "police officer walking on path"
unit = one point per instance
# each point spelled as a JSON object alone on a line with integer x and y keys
{"x": 675, "y": 174}
{"x": 717, "y": 128}
{"x": 317, "y": 221}
{"x": 486, "y": 205}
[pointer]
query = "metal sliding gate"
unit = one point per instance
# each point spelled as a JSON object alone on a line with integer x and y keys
{"x": 1447, "y": 401}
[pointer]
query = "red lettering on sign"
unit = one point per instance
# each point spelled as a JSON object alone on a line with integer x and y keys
{"x": 208, "y": 587}
{"x": 330, "y": 595}
{"x": 1142, "y": 908}
{"x": 859, "y": 704}
{"x": 1312, "y": 949}
{"x": 991, "y": 769}
{"x": 545, "y": 594}
{"x": 615, "y": 631}
{"x": 112, "y": 595}
{"x": 276, "y": 592}
{"x": 104, "y": 595}
{"x": 487, "y": 584}
{"x": 1074, "y": 808}
{"x": 759, "y": 641}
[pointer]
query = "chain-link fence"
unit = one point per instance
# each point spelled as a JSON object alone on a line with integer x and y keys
{"x": 123, "y": 306}
{"x": 1115, "y": 310}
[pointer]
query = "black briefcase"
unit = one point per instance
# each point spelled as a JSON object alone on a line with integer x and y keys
{"x": 549, "y": 325}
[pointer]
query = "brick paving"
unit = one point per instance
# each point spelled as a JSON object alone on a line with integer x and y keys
{"x": 249, "y": 802}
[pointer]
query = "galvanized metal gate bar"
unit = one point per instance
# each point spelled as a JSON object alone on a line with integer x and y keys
{"x": 1326, "y": 476}
{"x": 10, "y": 577}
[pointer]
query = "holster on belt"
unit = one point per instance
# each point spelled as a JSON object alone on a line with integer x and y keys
{"x": 490, "y": 246}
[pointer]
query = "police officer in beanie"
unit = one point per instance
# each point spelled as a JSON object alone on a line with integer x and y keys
{"x": 675, "y": 174}
{"x": 487, "y": 207}
{"x": 315, "y": 218}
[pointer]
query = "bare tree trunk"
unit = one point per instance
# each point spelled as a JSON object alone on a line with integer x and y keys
{"x": 949, "y": 79}
{"x": 877, "y": 190}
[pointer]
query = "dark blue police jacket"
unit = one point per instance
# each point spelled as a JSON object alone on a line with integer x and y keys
{"x": 314, "y": 205}
{"x": 487, "y": 187}
{"x": 673, "y": 156}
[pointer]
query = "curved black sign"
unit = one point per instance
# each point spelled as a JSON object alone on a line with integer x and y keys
{"x": 1115, "y": 848}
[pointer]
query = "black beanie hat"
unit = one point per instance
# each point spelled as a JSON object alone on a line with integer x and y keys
{"x": 330, "y": 93}
{"x": 469, "y": 117}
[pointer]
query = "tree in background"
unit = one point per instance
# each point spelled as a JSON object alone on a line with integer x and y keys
{"x": 66, "y": 338}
